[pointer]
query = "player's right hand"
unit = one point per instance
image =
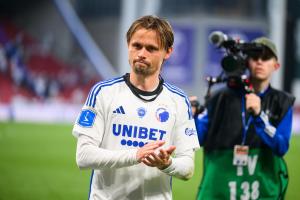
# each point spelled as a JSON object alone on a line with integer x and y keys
{"x": 161, "y": 159}
{"x": 148, "y": 149}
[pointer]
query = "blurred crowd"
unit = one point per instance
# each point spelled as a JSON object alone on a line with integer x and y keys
{"x": 29, "y": 72}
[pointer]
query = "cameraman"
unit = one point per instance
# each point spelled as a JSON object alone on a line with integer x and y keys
{"x": 245, "y": 135}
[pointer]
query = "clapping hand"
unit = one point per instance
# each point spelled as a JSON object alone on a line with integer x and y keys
{"x": 149, "y": 155}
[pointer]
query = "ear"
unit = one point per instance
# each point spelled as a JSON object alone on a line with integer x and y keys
{"x": 168, "y": 54}
{"x": 276, "y": 65}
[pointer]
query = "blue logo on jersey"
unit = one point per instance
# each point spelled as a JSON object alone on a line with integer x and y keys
{"x": 190, "y": 131}
{"x": 141, "y": 112}
{"x": 87, "y": 118}
{"x": 119, "y": 110}
{"x": 135, "y": 135}
{"x": 162, "y": 115}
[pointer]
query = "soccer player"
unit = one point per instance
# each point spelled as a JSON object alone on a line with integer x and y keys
{"x": 136, "y": 131}
{"x": 245, "y": 135}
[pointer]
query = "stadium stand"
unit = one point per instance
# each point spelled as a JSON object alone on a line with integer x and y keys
{"x": 29, "y": 73}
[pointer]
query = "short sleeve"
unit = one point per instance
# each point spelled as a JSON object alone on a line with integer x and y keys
{"x": 185, "y": 134}
{"x": 90, "y": 121}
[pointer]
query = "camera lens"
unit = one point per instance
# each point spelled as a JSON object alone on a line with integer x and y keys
{"x": 230, "y": 63}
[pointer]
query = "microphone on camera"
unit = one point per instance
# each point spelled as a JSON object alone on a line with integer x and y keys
{"x": 218, "y": 39}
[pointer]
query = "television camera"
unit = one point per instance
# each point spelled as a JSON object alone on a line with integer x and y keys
{"x": 234, "y": 63}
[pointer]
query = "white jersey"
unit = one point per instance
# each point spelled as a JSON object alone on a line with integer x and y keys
{"x": 118, "y": 120}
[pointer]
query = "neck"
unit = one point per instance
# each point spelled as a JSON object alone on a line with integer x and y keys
{"x": 260, "y": 86}
{"x": 145, "y": 83}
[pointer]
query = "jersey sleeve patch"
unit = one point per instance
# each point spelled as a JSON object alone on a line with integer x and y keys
{"x": 87, "y": 118}
{"x": 190, "y": 131}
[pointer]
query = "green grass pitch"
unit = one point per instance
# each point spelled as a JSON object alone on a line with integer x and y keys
{"x": 37, "y": 161}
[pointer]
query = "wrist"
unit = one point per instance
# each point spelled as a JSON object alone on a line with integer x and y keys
{"x": 167, "y": 165}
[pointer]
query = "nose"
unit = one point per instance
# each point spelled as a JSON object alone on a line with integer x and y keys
{"x": 142, "y": 53}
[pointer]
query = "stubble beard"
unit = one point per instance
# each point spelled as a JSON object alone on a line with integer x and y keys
{"x": 143, "y": 70}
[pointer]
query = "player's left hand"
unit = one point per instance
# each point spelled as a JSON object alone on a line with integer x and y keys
{"x": 160, "y": 160}
{"x": 253, "y": 103}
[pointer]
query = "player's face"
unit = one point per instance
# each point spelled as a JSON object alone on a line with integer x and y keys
{"x": 262, "y": 69}
{"x": 146, "y": 56}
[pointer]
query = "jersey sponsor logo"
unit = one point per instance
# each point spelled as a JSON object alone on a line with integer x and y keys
{"x": 133, "y": 143}
{"x": 119, "y": 110}
{"x": 86, "y": 118}
{"x": 190, "y": 131}
{"x": 136, "y": 135}
{"x": 141, "y": 112}
{"x": 162, "y": 115}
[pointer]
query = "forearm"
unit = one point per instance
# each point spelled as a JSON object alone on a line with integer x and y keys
{"x": 89, "y": 155}
{"x": 182, "y": 166}
{"x": 201, "y": 122}
{"x": 277, "y": 138}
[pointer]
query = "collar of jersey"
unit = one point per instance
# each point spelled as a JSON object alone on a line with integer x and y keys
{"x": 140, "y": 93}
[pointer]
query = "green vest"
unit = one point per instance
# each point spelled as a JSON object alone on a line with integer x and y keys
{"x": 264, "y": 177}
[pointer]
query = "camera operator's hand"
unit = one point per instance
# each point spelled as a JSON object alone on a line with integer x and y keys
{"x": 253, "y": 103}
{"x": 197, "y": 108}
{"x": 194, "y": 101}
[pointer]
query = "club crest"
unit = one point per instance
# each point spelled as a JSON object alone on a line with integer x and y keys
{"x": 162, "y": 114}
